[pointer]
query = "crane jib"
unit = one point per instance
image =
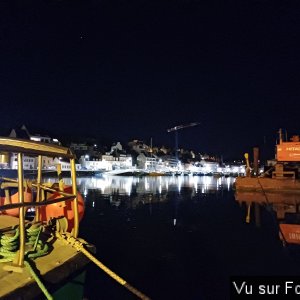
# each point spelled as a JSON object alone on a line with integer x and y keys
{"x": 182, "y": 126}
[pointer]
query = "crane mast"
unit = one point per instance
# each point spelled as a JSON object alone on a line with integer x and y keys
{"x": 176, "y": 128}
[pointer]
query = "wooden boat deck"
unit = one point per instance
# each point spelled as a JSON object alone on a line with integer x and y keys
{"x": 60, "y": 264}
{"x": 7, "y": 222}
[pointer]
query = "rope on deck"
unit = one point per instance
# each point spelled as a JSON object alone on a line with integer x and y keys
{"x": 9, "y": 245}
{"x": 79, "y": 247}
{"x": 38, "y": 281}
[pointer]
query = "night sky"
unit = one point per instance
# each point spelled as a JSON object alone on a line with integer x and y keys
{"x": 132, "y": 69}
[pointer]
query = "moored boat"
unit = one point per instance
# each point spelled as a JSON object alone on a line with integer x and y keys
{"x": 34, "y": 254}
{"x": 278, "y": 187}
{"x": 43, "y": 256}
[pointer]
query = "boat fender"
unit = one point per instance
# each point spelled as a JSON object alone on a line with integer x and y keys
{"x": 58, "y": 210}
{"x": 11, "y": 196}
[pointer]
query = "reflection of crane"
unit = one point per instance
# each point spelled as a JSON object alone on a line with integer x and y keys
{"x": 176, "y": 128}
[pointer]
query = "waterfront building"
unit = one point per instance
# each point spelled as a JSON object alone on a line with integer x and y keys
{"x": 142, "y": 156}
{"x": 65, "y": 164}
{"x": 111, "y": 162}
{"x": 145, "y": 161}
{"x": 25, "y": 134}
{"x": 29, "y": 163}
{"x": 161, "y": 164}
{"x": 91, "y": 163}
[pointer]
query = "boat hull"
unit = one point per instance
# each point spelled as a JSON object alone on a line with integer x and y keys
{"x": 290, "y": 233}
{"x": 282, "y": 194}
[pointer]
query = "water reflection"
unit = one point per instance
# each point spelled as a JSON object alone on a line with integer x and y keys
{"x": 122, "y": 185}
{"x": 160, "y": 227}
{"x": 186, "y": 233}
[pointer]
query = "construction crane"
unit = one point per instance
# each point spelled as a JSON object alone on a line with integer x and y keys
{"x": 176, "y": 128}
{"x": 183, "y": 126}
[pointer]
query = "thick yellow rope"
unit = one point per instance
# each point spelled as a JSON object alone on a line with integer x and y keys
{"x": 79, "y": 247}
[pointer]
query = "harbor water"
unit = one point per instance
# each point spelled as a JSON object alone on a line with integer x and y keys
{"x": 177, "y": 237}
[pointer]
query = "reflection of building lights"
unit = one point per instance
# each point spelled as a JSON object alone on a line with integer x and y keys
{"x": 146, "y": 184}
{"x": 207, "y": 180}
{"x": 235, "y": 169}
{"x": 180, "y": 180}
{"x": 195, "y": 182}
{"x": 108, "y": 185}
{"x": 228, "y": 183}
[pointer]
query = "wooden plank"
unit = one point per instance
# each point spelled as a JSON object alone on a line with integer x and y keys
{"x": 55, "y": 268}
{"x": 7, "y": 222}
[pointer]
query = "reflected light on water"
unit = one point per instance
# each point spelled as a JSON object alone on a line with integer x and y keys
{"x": 230, "y": 181}
{"x": 146, "y": 185}
{"x": 195, "y": 182}
{"x": 125, "y": 185}
{"x": 180, "y": 179}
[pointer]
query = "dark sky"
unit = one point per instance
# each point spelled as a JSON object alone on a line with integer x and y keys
{"x": 132, "y": 69}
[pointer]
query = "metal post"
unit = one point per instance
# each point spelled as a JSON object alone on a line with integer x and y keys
{"x": 38, "y": 191}
{"x": 61, "y": 185}
{"x": 248, "y": 170}
{"x": 60, "y": 178}
{"x": 255, "y": 160}
{"x": 75, "y": 201}
{"x": 21, "y": 210}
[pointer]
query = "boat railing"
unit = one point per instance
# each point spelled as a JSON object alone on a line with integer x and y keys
{"x": 37, "y": 149}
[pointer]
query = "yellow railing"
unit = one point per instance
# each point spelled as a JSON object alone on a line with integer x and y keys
{"x": 37, "y": 149}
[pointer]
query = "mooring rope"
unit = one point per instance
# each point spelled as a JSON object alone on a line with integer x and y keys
{"x": 79, "y": 246}
{"x": 38, "y": 281}
{"x": 9, "y": 245}
{"x": 38, "y": 247}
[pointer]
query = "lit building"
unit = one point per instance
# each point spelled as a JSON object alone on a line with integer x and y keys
{"x": 30, "y": 163}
